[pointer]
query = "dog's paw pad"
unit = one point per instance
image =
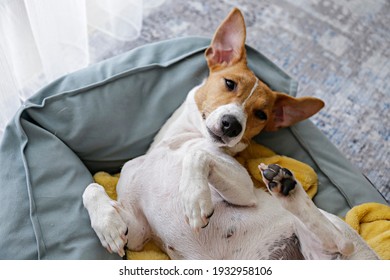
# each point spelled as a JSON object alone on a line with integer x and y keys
{"x": 287, "y": 185}
{"x": 270, "y": 173}
{"x": 277, "y": 179}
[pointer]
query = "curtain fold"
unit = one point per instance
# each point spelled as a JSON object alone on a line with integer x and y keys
{"x": 42, "y": 40}
{"x": 59, "y": 29}
{"x": 119, "y": 19}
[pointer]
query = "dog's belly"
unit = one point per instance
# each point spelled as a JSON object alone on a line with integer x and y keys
{"x": 261, "y": 232}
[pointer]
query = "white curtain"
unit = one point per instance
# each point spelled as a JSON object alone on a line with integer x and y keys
{"x": 41, "y": 40}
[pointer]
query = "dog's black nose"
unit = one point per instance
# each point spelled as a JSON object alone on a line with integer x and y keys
{"x": 230, "y": 126}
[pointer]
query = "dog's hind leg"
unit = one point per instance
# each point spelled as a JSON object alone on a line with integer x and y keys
{"x": 321, "y": 236}
{"x": 129, "y": 195}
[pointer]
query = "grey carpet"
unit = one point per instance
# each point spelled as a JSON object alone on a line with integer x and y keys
{"x": 337, "y": 50}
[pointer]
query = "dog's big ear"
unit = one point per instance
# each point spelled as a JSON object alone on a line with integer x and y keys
{"x": 228, "y": 44}
{"x": 288, "y": 110}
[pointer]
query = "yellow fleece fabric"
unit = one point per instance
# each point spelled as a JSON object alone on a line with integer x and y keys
{"x": 370, "y": 220}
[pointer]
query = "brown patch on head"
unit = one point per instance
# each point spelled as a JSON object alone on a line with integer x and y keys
{"x": 257, "y": 106}
{"x": 270, "y": 110}
{"x": 231, "y": 82}
{"x": 216, "y": 91}
{"x": 264, "y": 109}
{"x": 258, "y": 109}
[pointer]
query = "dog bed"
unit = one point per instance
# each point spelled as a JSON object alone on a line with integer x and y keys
{"x": 99, "y": 117}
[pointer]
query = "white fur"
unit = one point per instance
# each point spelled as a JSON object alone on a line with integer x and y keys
{"x": 185, "y": 176}
{"x": 251, "y": 93}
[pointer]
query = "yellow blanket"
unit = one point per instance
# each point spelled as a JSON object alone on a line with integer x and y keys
{"x": 370, "y": 220}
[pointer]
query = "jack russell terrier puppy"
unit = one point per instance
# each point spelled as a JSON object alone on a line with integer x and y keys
{"x": 190, "y": 195}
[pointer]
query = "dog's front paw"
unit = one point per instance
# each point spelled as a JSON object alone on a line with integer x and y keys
{"x": 111, "y": 229}
{"x": 277, "y": 179}
{"x": 198, "y": 207}
{"x": 105, "y": 218}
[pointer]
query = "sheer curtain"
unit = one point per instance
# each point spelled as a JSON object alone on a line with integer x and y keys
{"x": 41, "y": 40}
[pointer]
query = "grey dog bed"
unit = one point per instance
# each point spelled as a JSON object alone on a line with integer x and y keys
{"x": 98, "y": 118}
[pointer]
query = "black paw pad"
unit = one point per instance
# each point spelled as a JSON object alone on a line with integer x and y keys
{"x": 287, "y": 185}
{"x": 272, "y": 185}
{"x": 278, "y": 179}
{"x": 274, "y": 167}
{"x": 269, "y": 174}
{"x": 287, "y": 172}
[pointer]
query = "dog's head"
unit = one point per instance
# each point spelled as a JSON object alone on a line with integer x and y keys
{"x": 234, "y": 104}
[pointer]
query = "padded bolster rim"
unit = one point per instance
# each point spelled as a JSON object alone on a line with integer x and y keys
{"x": 37, "y": 102}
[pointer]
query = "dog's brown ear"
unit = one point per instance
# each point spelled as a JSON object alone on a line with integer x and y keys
{"x": 228, "y": 44}
{"x": 288, "y": 110}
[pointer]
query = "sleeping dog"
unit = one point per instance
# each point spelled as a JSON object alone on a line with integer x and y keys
{"x": 190, "y": 195}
